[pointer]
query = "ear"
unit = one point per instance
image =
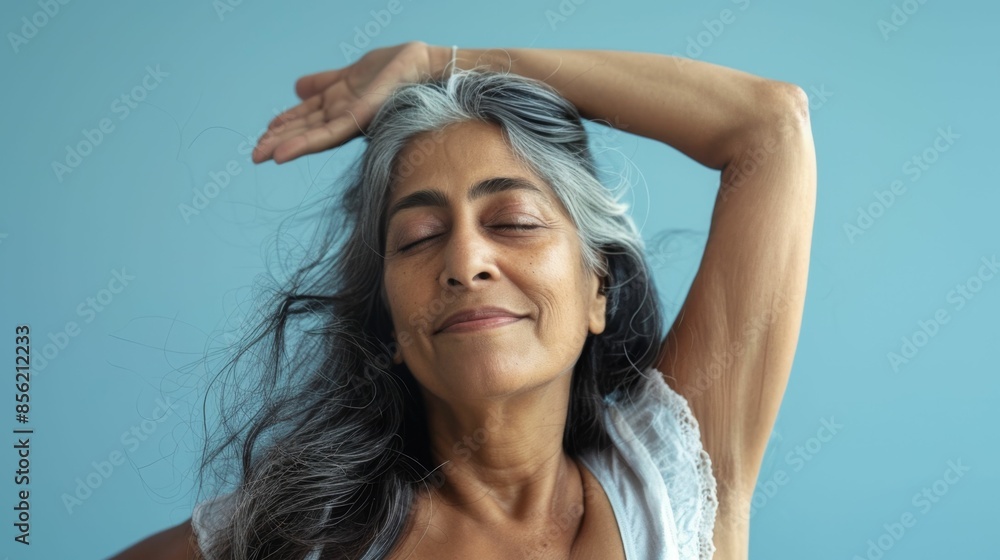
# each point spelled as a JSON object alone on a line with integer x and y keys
{"x": 598, "y": 304}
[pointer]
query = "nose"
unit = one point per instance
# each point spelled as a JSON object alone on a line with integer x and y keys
{"x": 468, "y": 259}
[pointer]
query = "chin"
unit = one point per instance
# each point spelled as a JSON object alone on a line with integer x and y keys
{"x": 496, "y": 378}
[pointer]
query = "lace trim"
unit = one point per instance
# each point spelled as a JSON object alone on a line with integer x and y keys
{"x": 686, "y": 466}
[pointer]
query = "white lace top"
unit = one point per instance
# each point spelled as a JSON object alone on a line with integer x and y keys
{"x": 657, "y": 476}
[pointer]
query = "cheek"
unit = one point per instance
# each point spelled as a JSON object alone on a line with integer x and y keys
{"x": 556, "y": 278}
{"x": 395, "y": 296}
{"x": 405, "y": 299}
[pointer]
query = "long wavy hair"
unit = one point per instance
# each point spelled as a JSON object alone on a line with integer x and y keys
{"x": 333, "y": 445}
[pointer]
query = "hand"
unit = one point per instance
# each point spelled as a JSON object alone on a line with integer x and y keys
{"x": 338, "y": 105}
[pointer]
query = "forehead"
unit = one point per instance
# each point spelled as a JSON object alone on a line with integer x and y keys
{"x": 457, "y": 157}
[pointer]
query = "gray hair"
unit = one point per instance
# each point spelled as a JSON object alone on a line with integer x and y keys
{"x": 335, "y": 445}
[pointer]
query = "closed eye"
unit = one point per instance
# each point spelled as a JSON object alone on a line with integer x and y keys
{"x": 517, "y": 226}
{"x": 507, "y": 227}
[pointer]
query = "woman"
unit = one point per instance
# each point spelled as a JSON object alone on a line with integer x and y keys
{"x": 483, "y": 371}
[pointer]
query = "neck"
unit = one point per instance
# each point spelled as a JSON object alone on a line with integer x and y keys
{"x": 503, "y": 460}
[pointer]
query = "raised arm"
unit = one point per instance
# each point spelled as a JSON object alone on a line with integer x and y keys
{"x": 703, "y": 110}
{"x": 730, "y": 350}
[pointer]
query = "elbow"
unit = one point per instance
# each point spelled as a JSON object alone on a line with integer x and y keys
{"x": 782, "y": 116}
{"x": 787, "y": 106}
{"x": 793, "y": 99}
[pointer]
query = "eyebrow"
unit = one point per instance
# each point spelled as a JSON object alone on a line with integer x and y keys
{"x": 486, "y": 187}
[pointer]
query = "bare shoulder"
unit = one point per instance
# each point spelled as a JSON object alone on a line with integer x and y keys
{"x": 173, "y": 543}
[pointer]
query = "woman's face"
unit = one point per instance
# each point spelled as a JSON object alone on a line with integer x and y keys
{"x": 508, "y": 247}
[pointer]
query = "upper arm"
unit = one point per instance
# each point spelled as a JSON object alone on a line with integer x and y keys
{"x": 173, "y": 543}
{"x": 730, "y": 349}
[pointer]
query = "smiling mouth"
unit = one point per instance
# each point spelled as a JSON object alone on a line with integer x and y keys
{"x": 480, "y": 324}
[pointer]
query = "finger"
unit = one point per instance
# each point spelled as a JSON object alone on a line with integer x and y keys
{"x": 275, "y": 136}
{"x": 329, "y": 135}
{"x": 297, "y": 122}
{"x": 270, "y": 140}
{"x": 301, "y": 110}
{"x": 331, "y": 100}
{"x": 308, "y": 86}
{"x": 325, "y": 113}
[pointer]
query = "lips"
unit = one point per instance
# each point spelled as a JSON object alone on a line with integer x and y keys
{"x": 474, "y": 314}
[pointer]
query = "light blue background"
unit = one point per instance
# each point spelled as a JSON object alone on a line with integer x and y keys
{"x": 227, "y": 76}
